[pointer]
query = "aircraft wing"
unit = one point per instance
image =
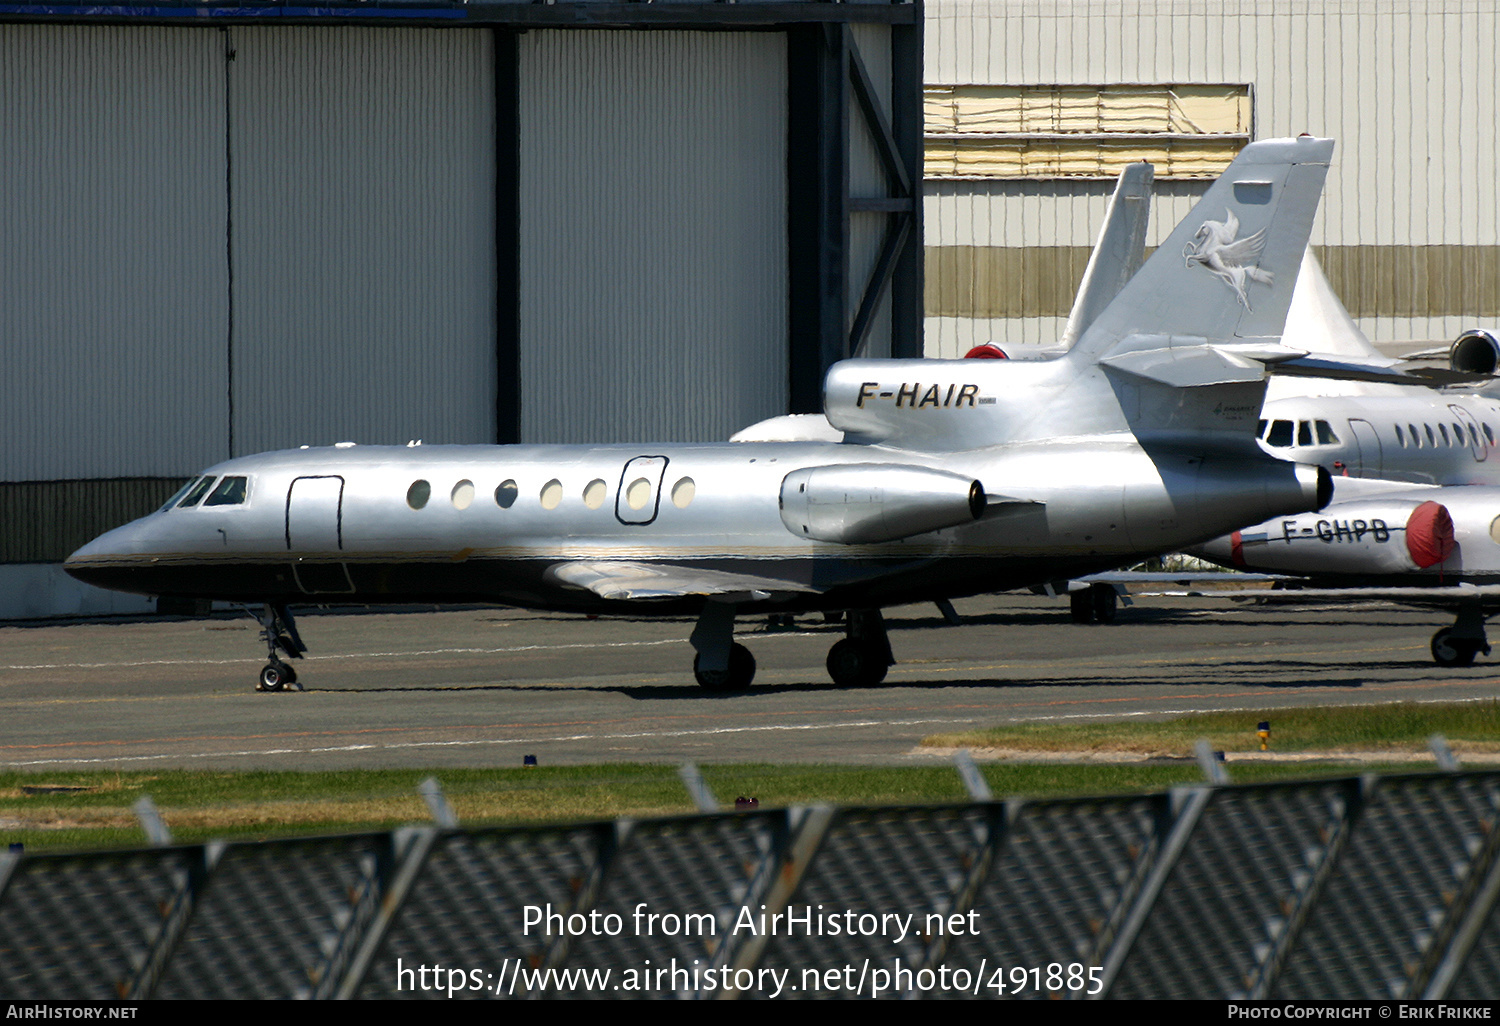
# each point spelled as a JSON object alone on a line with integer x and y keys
{"x": 614, "y": 579}
{"x": 1446, "y": 597}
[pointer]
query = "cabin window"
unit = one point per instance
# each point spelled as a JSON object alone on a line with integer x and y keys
{"x": 231, "y": 492}
{"x": 1431, "y": 438}
{"x": 683, "y": 492}
{"x": 1416, "y": 439}
{"x": 505, "y": 495}
{"x": 638, "y": 494}
{"x": 593, "y": 493}
{"x": 1473, "y": 436}
{"x": 1280, "y": 435}
{"x": 1443, "y": 430}
{"x": 1304, "y": 432}
{"x": 1325, "y": 434}
{"x": 462, "y": 495}
{"x": 1489, "y": 436}
{"x": 551, "y": 494}
{"x": 1400, "y": 437}
{"x": 418, "y": 494}
{"x": 200, "y": 488}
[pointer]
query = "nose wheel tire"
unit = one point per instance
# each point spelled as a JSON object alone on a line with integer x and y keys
{"x": 852, "y": 664}
{"x": 737, "y": 677}
{"x": 1450, "y": 651}
{"x": 276, "y": 676}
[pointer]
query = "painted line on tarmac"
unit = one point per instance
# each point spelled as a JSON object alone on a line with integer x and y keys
{"x": 384, "y": 655}
{"x": 474, "y": 742}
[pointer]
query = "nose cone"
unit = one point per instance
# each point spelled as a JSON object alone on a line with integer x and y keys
{"x": 111, "y": 560}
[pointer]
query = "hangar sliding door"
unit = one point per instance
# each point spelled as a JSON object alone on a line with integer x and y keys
{"x": 363, "y": 258}
{"x": 653, "y": 252}
{"x": 113, "y": 297}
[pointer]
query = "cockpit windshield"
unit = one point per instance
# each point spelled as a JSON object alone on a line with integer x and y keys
{"x": 177, "y": 495}
{"x": 231, "y": 492}
{"x": 194, "y": 494}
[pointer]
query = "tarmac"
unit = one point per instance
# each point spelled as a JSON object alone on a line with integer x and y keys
{"x": 485, "y": 687}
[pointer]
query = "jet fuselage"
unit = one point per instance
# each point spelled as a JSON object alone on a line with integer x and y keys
{"x": 486, "y": 523}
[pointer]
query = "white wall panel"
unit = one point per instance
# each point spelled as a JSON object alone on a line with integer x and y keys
{"x": 363, "y": 197}
{"x": 112, "y": 259}
{"x": 653, "y": 234}
{"x": 1403, "y": 87}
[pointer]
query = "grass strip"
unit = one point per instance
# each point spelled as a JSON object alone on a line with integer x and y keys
{"x": 38, "y": 811}
{"x": 1394, "y": 727}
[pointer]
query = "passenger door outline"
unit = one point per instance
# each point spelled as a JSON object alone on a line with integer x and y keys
{"x": 652, "y": 469}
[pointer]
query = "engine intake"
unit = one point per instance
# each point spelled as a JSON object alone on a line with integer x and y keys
{"x": 863, "y": 503}
{"x": 1476, "y": 351}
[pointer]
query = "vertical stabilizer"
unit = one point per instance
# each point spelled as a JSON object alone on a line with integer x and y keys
{"x": 1317, "y": 321}
{"x": 1118, "y": 253}
{"x": 1226, "y": 273}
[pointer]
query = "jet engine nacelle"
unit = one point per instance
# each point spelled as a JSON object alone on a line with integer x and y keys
{"x": 1367, "y": 538}
{"x": 1476, "y": 351}
{"x": 862, "y": 503}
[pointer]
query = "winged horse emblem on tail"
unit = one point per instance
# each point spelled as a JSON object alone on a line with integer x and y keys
{"x": 1230, "y": 259}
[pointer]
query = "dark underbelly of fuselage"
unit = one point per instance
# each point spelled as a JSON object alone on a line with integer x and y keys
{"x": 843, "y": 583}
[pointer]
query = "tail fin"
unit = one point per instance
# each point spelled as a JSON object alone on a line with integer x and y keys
{"x": 1227, "y": 271}
{"x": 1118, "y": 253}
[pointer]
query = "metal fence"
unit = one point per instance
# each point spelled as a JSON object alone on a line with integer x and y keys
{"x": 1366, "y": 887}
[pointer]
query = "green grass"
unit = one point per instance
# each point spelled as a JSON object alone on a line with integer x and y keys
{"x": 1401, "y": 726}
{"x": 199, "y": 806}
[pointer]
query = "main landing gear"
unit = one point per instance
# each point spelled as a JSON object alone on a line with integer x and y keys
{"x": 279, "y": 631}
{"x": 1459, "y": 644}
{"x": 861, "y": 659}
{"x": 1095, "y": 604}
{"x": 864, "y": 656}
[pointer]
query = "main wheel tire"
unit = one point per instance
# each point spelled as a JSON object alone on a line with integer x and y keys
{"x": 275, "y": 677}
{"x": 1105, "y": 602}
{"x": 737, "y": 677}
{"x": 853, "y": 665}
{"x": 1081, "y": 605}
{"x": 1450, "y": 651}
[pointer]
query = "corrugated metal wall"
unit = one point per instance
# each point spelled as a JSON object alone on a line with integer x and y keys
{"x": 1410, "y": 228}
{"x": 360, "y": 163}
{"x": 363, "y": 189}
{"x": 113, "y": 288}
{"x": 653, "y": 234}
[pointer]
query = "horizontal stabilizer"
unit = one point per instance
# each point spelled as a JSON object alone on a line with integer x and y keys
{"x": 1355, "y": 370}
{"x": 1188, "y": 367}
{"x": 612, "y": 579}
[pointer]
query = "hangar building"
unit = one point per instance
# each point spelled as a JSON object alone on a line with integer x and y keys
{"x": 256, "y": 226}
{"x": 263, "y": 225}
{"x": 1033, "y": 105}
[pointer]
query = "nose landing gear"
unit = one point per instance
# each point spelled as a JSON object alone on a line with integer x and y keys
{"x": 279, "y": 631}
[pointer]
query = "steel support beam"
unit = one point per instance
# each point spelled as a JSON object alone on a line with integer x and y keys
{"x": 907, "y": 298}
{"x": 817, "y": 208}
{"x": 508, "y": 396}
{"x": 520, "y": 14}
